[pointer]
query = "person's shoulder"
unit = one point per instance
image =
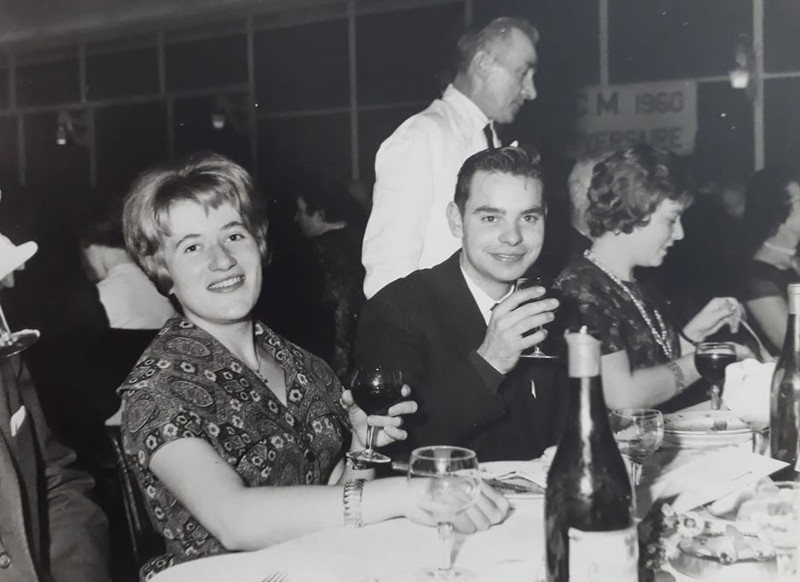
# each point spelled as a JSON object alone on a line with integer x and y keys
{"x": 579, "y": 271}
{"x": 437, "y": 119}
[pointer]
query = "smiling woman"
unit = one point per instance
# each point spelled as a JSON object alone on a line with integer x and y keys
{"x": 237, "y": 436}
{"x": 636, "y": 200}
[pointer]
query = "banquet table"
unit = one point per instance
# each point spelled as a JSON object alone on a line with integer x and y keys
{"x": 399, "y": 549}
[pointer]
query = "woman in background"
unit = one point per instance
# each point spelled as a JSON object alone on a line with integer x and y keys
{"x": 772, "y": 233}
{"x": 236, "y": 436}
{"x": 636, "y": 200}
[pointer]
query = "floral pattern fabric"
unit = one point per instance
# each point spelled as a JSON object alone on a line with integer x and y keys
{"x": 188, "y": 385}
{"x": 612, "y": 316}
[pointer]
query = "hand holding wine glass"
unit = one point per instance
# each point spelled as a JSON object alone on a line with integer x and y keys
{"x": 526, "y": 283}
{"x": 639, "y": 433}
{"x": 445, "y": 481}
{"x": 711, "y": 359}
{"x": 374, "y": 390}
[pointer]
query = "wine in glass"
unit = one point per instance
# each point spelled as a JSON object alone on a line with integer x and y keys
{"x": 774, "y": 511}
{"x": 527, "y": 282}
{"x": 711, "y": 359}
{"x": 444, "y": 481}
{"x": 639, "y": 433}
{"x": 375, "y": 389}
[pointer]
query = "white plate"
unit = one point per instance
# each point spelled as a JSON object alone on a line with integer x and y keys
{"x": 701, "y": 422}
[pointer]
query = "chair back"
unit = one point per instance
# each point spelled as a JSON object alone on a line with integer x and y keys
{"x": 146, "y": 543}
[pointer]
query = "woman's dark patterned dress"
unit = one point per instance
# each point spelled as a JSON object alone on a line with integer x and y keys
{"x": 188, "y": 385}
{"x": 611, "y": 315}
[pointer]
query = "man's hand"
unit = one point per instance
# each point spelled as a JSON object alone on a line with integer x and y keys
{"x": 518, "y": 314}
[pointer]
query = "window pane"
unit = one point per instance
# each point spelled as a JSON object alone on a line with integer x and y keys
{"x": 295, "y": 73}
{"x": 724, "y": 146}
{"x": 406, "y": 55}
{"x": 782, "y": 120}
{"x": 374, "y": 127}
{"x": 46, "y": 83}
{"x": 569, "y": 39}
{"x": 206, "y": 63}
{"x": 129, "y": 140}
{"x": 781, "y": 38}
{"x": 675, "y": 39}
{"x": 290, "y": 146}
{"x": 120, "y": 74}
{"x": 194, "y": 129}
{"x": 63, "y": 170}
{"x": 8, "y": 152}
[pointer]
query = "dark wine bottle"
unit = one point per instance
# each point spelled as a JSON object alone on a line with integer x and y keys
{"x": 784, "y": 422}
{"x": 589, "y": 524}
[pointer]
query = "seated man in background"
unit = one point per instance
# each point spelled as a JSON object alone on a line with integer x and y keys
{"x": 49, "y": 529}
{"x": 457, "y": 330}
{"x": 130, "y": 299}
{"x": 328, "y": 218}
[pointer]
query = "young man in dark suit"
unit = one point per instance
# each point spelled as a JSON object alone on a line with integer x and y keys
{"x": 457, "y": 330}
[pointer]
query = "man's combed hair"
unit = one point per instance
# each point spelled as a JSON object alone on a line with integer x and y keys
{"x": 507, "y": 160}
{"x": 628, "y": 186}
{"x": 768, "y": 203}
{"x": 209, "y": 180}
{"x": 498, "y": 29}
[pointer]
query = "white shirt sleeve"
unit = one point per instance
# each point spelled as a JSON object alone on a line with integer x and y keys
{"x": 402, "y": 200}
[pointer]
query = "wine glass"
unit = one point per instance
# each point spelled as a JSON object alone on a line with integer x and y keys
{"x": 526, "y": 283}
{"x": 638, "y": 432}
{"x": 711, "y": 359}
{"x": 774, "y": 511}
{"x": 375, "y": 389}
{"x": 445, "y": 481}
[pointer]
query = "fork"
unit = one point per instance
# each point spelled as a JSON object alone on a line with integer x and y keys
{"x": 719, "y": 424}
{"x": 276, "y": 577}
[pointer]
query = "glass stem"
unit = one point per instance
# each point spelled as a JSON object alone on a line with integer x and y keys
{"x": 445, "y": 544}
{"x": 370, "y": 437}
{"x": 716, "y": 397}
{"x": 5, "y": 332}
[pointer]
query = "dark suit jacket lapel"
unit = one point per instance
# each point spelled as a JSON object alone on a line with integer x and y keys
{"x": 457, "y": 303}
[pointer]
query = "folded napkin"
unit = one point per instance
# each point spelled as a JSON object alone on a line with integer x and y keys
{"x": 747, "y": 390}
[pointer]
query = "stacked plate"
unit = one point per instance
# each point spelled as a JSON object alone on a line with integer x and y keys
{"x": 705, "y": 429}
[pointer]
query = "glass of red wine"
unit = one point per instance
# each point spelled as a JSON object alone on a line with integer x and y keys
{"x": 375, "y": 389}
{"x": 527, "y": 282}
{"x": 711, "y": 359}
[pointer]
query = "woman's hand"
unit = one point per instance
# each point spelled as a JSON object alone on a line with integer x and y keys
{"x": 490, "y": 509}
{"x": 717, "y": 312}
{"x": 387, "y": 427}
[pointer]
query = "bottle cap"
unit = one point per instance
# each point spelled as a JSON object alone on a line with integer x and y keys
{"x": 584, "y": 354}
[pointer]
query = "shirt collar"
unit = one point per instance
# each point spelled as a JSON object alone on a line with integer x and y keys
{"x": 465, "y": 106}
{"x": 485, "y": 303}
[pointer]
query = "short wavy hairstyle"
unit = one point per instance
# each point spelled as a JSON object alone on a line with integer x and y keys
{"x": 768, "y": 203}
{"x": 506, "y": 160}
{"x": 209, "y": 180}
{"x": 628, "y": 186}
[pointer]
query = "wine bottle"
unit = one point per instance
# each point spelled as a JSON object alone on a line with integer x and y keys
{"x": 784, "y": 422}
{"x": 589, "y": 523}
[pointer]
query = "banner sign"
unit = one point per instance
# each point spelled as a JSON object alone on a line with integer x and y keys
{"x": 661, "y": 114}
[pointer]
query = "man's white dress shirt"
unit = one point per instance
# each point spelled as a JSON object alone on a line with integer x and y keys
{"x": 131, "y": 300}
{"x": 416, "y": 170}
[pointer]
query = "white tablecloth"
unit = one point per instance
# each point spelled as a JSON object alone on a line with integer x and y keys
{"x": 391, "y": 551}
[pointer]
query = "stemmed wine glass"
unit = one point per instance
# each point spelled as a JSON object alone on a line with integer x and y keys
{"x": 775, "y": 513}
{"x": 375, "y": 389}
{"x": 527, "y": 282}
{"x": 11, "y": 258}
{"x": 638, "y": 432}
{"x": 445, "y": 481}
{"x": 711, "y": 359}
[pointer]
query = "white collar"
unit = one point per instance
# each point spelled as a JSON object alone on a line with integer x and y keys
{"x": 485, "y": 303}
{"x": 465, "y": 106}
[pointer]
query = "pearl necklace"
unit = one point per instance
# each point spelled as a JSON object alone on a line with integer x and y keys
{"x": 662, "y": 334}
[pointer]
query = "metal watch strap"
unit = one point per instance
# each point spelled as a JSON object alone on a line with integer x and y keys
{"x": 351, "y": 498}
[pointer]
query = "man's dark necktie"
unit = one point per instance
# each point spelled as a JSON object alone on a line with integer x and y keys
{"x": 487, "y": 131}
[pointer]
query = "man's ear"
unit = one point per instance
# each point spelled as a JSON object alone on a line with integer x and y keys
{"x": 481, "y": 64}
{"x": 455, "y": 220}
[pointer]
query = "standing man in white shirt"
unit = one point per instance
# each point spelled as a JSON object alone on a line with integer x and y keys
{"x": 416, "y": 166}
